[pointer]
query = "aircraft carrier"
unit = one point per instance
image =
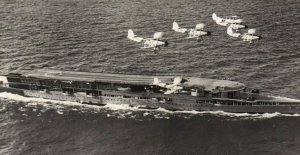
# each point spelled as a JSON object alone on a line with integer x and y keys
{"x": 169, "y": 92}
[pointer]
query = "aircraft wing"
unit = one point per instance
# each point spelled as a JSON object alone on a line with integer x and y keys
{"x": 170, "y": 91}
{"x": 136, "y": 39}
{"x": 222, "y": 22}
{"x": 146, "y": 47}
{"x": 181, "y": 30}
{"x": 237, "y": 26}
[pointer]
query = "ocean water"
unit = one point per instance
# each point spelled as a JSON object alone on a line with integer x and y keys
{"x": 90, "y": 35}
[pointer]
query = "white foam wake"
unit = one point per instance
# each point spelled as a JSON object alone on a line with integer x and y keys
{"x": 48, "y": 103}
{"x": 31, "y": 99}
{"x": 245, "y": 115}
{"x": 286, "y": 99}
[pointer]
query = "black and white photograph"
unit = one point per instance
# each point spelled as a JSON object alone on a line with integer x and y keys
{"x": 149, "y": 77}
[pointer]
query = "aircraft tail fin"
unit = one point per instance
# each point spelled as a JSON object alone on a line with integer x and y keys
{"x": 130, "y": 34}
{"x": 177, "y": 80}
{"x": 175, "y": 26}
{"x": 178, "y": 29}
{"x": 156, "y": 81}
{"x": 133, "y": 37}
{"x": 214, "y": 16}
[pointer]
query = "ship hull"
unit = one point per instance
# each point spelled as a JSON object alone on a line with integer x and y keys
{"x": 177, "y": 104}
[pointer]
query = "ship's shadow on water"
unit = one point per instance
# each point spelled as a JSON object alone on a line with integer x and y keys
{"x": 52, "y": 128}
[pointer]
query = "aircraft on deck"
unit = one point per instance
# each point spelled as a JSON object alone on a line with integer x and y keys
{"x": 171, "y": 88}
{"x": 197, "y": 32}
{"x": 154, "y": 42}
{"x": 250, "y": 37}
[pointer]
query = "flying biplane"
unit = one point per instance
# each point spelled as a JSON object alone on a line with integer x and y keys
{"x": 196, "y": 32}
{"x": 154, "y": 42}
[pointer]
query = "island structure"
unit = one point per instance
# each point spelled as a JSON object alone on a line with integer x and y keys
{"x": 150, "y": 92}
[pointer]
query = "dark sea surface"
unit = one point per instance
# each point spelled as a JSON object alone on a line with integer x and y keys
{"x": 90, "y": 35}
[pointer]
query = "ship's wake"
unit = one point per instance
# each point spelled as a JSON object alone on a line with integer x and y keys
{"x": 122, "y": 110}
{"x": 279, "y": 98}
